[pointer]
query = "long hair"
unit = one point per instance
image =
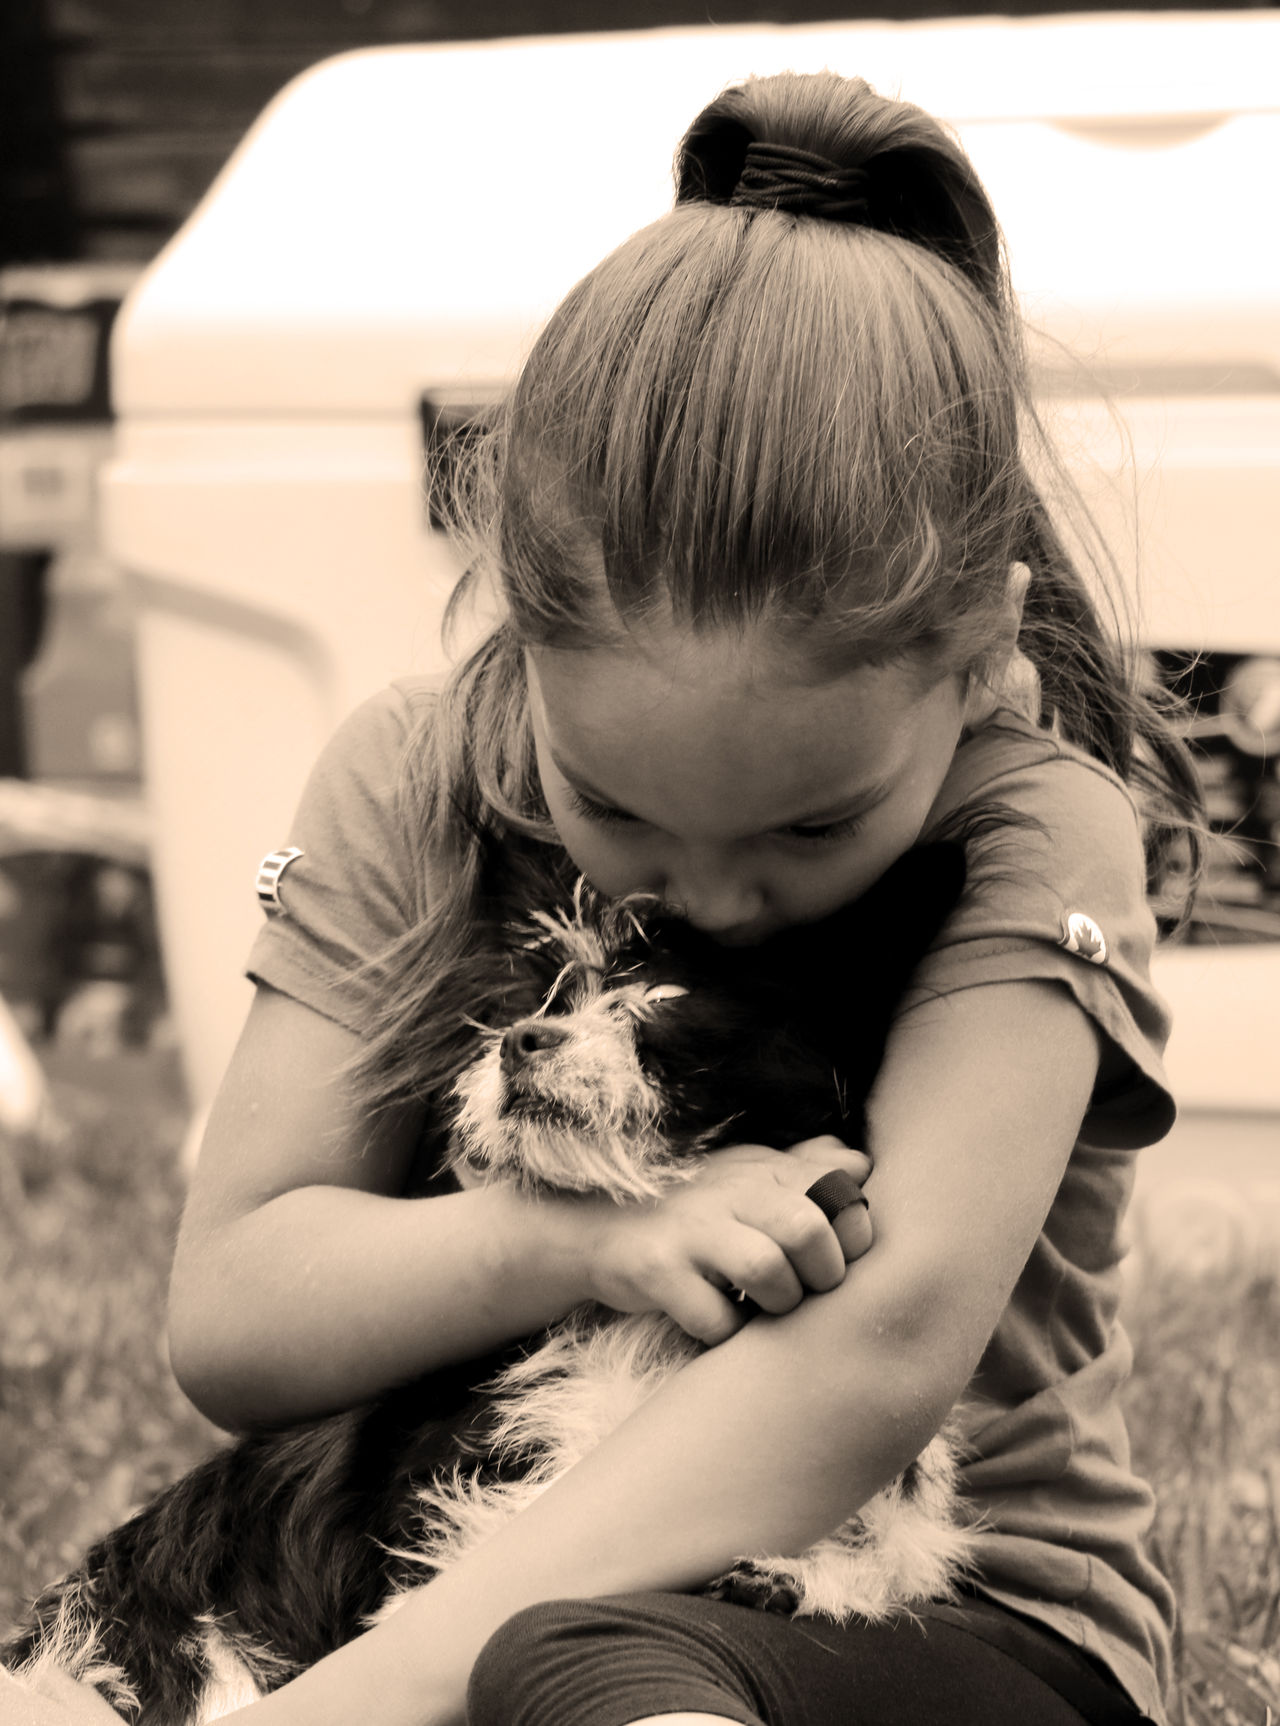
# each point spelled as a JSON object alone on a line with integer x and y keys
{"x": 746, "y": 415}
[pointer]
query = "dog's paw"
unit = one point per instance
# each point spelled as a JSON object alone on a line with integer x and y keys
{"x": 755, "y": 1586}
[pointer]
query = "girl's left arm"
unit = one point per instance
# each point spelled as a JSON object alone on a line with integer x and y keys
{"x": 772, "y": 1439}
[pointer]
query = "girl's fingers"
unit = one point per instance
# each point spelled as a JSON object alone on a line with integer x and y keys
{"x": 828, "y": 1152}
{"x": 744, "y": 1223}
{"x": 775, "y": 1263}
{"x": 810, "y": 1243}
{"x": 844, "y": 1205}
{"x": 795, "y": 1248}
{"x": 758, "y": 1266}
{"x": 703, "y": 1311}
{"x": 854, "y": 1231}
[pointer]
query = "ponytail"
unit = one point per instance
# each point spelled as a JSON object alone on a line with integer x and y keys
{"x": 1094, "y": 690}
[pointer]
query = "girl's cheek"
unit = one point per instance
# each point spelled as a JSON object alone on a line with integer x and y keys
{"x": 604, "y": 854}
{"x": 594, "y": 862}
{"x": 804, "y": 895}
{"x": 613, "y": 864}
{"x": 808, "y": 891}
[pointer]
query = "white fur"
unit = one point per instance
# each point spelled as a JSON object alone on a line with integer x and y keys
{"x": 593, "y": 1371}
{"x": 231, "y": 1685}
{"x": 596, "y": 1127}
{"x": 71, "y": 1646}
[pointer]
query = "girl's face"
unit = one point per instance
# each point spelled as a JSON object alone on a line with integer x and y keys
{"x": 693, "y": 767}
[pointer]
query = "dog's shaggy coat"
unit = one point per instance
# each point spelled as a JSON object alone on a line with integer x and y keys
{"x": 620, "y": 1047}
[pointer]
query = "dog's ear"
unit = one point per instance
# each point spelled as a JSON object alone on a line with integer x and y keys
{"x": 901, "y": 916}
{"x": 515, "y": 877}
{"x": 880, "y": 938}
{"x": 851, "y": 970}
{"x": 671, "y": 945}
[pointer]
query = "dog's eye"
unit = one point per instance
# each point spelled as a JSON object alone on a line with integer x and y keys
{"x": 664, "y": 992}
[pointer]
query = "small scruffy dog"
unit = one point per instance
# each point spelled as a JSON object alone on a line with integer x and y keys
{"x": 619, "y": 1046}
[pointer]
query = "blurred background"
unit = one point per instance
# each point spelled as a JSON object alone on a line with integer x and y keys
{"x": 254, "y": 260}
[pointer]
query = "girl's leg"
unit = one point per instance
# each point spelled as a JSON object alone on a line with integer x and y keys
{"x": 677, "y": 1660}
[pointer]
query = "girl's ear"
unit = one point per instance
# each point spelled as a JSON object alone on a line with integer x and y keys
{"x": 1005, "y": 677}
{"x": 1019, "y": 582}
{"x": 1005, "y": 644}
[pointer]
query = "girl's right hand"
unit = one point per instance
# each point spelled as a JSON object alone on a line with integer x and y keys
{"x": 742, "y": 1222}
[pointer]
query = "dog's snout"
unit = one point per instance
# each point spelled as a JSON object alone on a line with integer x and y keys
{"x": 529, "y": 1038}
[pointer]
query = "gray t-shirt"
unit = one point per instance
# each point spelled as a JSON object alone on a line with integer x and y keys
{"x": 1059, "y": 899}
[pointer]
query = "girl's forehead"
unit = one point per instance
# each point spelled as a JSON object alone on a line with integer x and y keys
{"x": 746, "y": 674}
{"x": 705, "y": 719}
{"x": 761, "y": 660}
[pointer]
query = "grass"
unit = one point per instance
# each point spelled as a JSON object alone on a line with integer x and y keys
{"x": 1203, "y": 1408}
{"x": 91, "y": 1421}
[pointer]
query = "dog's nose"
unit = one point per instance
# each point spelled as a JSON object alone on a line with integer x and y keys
{"x": 529, "y": 1038}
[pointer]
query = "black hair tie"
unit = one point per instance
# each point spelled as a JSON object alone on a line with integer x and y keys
{"x": 835, "y": 1192}
{"x": 781, "y": 177}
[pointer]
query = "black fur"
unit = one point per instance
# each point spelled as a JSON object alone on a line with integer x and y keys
{"x": 792, "y": 1031}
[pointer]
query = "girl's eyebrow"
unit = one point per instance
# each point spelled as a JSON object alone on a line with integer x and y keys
{"x": 855, "y": 803}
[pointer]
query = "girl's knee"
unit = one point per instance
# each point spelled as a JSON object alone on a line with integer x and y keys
{"x": 568, "y": 1662}
{"x": 526, "y": 1659}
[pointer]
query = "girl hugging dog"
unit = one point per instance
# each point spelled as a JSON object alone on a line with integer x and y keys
{"x": 779, "y": 600}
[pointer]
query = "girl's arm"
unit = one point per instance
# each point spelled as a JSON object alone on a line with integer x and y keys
{"x": 772, "y": 1440}
{"x": 302, "y": 1283}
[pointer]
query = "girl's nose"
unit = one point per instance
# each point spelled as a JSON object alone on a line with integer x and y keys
{"x": 711, "y": 896}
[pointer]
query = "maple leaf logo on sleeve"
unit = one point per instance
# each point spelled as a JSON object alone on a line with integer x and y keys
{"x": 1084, "y": 937}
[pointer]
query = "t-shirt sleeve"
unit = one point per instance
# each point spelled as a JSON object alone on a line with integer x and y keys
{"x": 348, "y": 890}
{"x": 1058, "y": 894}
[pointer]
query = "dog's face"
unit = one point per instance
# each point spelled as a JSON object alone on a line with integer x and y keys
{"x": 650, "y": 1044}
{"x": 647, "y": 1044}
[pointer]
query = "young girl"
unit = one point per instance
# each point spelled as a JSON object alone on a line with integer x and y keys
{"x": 778, "y": 595}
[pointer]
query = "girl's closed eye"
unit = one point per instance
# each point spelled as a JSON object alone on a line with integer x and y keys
{"x": 820, "y": 833}
{"x": 825, "y": 833}
{"x": 591, "y": 810}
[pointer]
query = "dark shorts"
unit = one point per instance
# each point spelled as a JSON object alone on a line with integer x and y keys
{"x": 609, "y": 1662}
